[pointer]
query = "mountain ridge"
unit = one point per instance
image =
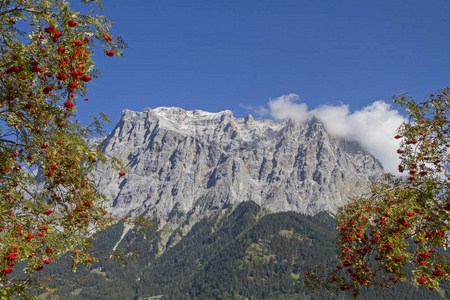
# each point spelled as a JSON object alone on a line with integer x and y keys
{"x": 201, "y": 162}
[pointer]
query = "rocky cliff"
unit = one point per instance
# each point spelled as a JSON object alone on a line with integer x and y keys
{"x": 185, "y": 163}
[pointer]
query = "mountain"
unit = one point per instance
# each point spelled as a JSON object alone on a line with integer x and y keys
{"x": 190, "y": 164}
{"x": 242, "y": 207}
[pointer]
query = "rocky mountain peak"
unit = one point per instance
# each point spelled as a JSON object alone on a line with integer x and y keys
{"x": 185, "y": 163}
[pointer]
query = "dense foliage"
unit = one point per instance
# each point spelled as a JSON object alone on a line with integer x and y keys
{"x": 399, "y": 232}
{"x": 46, "y": 63}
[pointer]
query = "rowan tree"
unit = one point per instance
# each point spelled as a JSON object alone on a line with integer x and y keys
{"x": 403, "y": 223}
{"x": 49, "y": 203}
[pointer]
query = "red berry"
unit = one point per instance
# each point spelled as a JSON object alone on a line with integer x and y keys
{"x": 72, "y": 23}
{"x": 422, "y": 280}
{"x": 68, "y": 104}
{"x": 39, "y": 268}
{"x": 61, "y": 76}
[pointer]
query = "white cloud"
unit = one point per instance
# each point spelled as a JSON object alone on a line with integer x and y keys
{"x": 335, "y": 119}
{"x": 287, "y": 107}
{"x": 374, "y": 126}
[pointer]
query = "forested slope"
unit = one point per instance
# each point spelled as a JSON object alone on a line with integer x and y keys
{"x": 243, "y": 252}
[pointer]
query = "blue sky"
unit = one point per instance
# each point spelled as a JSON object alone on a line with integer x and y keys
{"x": 237, "y": 54}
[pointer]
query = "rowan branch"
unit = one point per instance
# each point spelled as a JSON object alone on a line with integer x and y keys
{"x": 11, "y": 142}
{"x": 18, "y": 9}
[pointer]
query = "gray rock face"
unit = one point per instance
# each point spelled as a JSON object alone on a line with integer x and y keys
{"x": 185, "y": 163}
